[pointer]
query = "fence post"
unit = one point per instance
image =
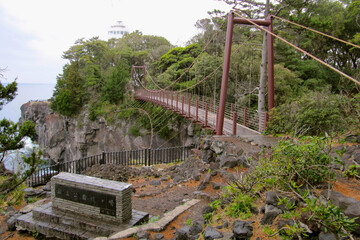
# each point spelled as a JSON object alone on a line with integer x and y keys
{"x": 103, "y": 160}
{"x": 182, "y": 107}
{"x": 189, "y": 105}
{"x": 177, "y": 102}
{"x": 234, "y": 123}
{"x": 206, "y": 109}
{"x": 245, "y": 116}
{"x": 197, "y": 110}
{"x": 265, "y": 120}
{"x": 172, "y": 100}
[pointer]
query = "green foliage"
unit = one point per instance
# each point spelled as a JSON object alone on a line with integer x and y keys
{"x": 7, "y": 93}
{"x": 240, "y": 206}
{"x": 113, "y": 89}
{"x": 352, "y": 172}
{"x": 69, "y": 95}
{"x": 287, "y": 85}
{"x": 134, "y": 130}
{"x": 330, "y": 217}
{"x": 315, "y": 113}
{"x": 154, "y": 219}
{"x": 98, "y": 71}
{"x": 12, "y": 137}
{"x": 14, "y": 197}
{"x": 294, "y": 164}
{"x": 189, "y": 222}
{"x": 95, "y": 110}
{"x": 174, "y": 63}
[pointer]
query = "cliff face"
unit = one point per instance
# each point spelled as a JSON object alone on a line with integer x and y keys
{"x": 66, "y": 139}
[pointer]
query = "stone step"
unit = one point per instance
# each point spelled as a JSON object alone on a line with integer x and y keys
{"x": 50, "y": 222}
{"x": 26, "y": 222}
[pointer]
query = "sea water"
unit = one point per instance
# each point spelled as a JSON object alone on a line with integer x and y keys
{"x": 11, "y": 111}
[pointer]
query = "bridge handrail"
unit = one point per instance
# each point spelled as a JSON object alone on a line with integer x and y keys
{"x": 170, "y": 99}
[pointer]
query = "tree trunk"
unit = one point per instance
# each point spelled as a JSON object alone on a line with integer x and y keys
{"x": 263, "y": 77}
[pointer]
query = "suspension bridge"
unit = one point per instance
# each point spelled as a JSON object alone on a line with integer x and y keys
{"x": 219, "y": 115}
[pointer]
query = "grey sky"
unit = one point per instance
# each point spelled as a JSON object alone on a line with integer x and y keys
{"x": 35, "y": 33}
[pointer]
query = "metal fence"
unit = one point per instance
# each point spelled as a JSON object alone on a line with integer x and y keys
{"x": 145, "y": 157}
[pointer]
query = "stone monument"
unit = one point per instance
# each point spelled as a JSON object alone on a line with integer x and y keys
{"x": 83, "y": 207}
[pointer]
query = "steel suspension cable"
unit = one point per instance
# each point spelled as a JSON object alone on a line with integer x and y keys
{"x": 301, "y": 50}
{"x": 188, "y": 68}
{"x": 213, "y": 72}
{"x": 316, "y": 31}
{"x": 152, "y": 80}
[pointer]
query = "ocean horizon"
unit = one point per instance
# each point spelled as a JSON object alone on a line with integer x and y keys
{"x": 26, "y": 92}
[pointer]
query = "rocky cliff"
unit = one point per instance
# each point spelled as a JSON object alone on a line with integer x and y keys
{"x": 66, "y": 139}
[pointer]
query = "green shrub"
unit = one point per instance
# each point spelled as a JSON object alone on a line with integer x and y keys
{"x": 315, "y": 113}
{"x": 330, "y": 217}
{"x": 293, "y": 164}
{"x": 135, "y": 131}
{"x": 240, "y": 206}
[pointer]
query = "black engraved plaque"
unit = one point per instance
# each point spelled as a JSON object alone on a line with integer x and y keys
{"x": 106, "y": 202}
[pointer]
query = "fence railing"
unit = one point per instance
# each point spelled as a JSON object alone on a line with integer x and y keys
{"x": 204, "y": 109}
{"x": 145, "y": 157}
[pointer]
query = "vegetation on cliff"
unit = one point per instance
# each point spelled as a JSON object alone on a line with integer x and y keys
{"x": 98, "y": 72}
{"x": 12, "y": 137}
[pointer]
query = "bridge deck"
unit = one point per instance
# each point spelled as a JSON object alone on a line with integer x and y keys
{"x": 200, "y": 115}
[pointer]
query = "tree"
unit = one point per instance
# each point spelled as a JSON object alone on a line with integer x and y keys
{"x": 12, "y": 137}
{"x": 113, "y": 90}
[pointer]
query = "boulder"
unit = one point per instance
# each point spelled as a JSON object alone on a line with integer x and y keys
{"x": 328, "y": 236}
{"x": 229, "y": 161}
{"x": 211, "y": 233}
{"x": 205, "y": 182}
{"x": 207, "y": 144}
{"x": 273, "y": 198}
{"x": 339, "y": 200}
{"x": 214, "y": 166}
{"x": 233, "y": 149}
{"x": 271, "y": 213}
{"x": 183, "y": 233}
{"x": 217, "y": 186}
{"x": 243, "y": 161}
{"x": 217, "y": 147}
{"x": 283, "y": 223}
{"x": 158, "y": 236}
{"x": 224, "y": 225}
{"x": 30, "y": 192}
{"x": 142, "y": 235}
{"x": 242, "y": 230}
{"x": 207, "y": 210}
{"x": 195, "y": 228}
{"x": 207, "y": 156}
{"x": 47, "y": 187}
{"x": 12, "y": 221}
{"x": 353, "y": 211}
{"x": 155, "y": 182}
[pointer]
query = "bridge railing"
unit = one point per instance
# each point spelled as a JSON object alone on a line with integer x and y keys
{"x": 203, "y": 109}
{"x": 145, "y": 157}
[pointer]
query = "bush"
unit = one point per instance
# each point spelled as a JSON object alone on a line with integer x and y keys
{"x": 315, "y": 113}
{"x": 294, "y": 164}
{"x": 240, "y": 206}
{"x": 134, "y": 130}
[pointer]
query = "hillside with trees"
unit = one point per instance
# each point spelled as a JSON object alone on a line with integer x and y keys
{"x": 310, "y": 99}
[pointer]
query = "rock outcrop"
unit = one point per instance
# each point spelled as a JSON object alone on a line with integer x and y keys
{"x": 65, "y": 139}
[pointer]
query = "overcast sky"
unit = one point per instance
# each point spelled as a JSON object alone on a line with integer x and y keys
{"x": 35, "y": 33}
